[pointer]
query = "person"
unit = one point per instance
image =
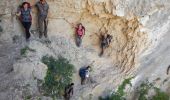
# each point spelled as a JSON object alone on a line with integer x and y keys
{"x": 84, "y": 74}
{"x": 80, "y": 32}
{"x": 25, "y": 16}
{"x": 168, "y": 69}
{"x": 105, "y": 42}
{"x": 68, "y": 91}
{"x": 43, "y": 8}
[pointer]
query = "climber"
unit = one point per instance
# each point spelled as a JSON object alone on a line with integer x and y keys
{"x": 168, "y": 69}
{"x": 80, "y": 32}
{"x": 42, "y": 17}
{"x": 68, "y": 91}
{"x": 25, "y": 16}
{"x": 84, "y": 74}
{"x": 105, "y": 42}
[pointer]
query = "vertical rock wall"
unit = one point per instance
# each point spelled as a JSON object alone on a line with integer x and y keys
{"x": 136, "y": 25}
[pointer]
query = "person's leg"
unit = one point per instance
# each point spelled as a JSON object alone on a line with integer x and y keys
{"x": 102, "y": 47}
{"x": 27, "y": 26}
{"x": 45, "y": 28}
{"x": 83, "y": 81}
{"x": 78, "y": 40}
{"x": 28, "y": 30}
{"x": 66, "y": 97}
{"x": 41, "y": 26}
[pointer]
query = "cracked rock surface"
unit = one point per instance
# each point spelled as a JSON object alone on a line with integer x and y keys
{"x": 140, "y": 46}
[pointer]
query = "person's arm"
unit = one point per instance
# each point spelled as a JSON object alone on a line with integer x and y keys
{"x": 31, "y": 13}
{"x": 73, "y": 25}
{"x": 18, "y": 13}
{"x": 47, "y": 12}
{"x": 83, "y": 31}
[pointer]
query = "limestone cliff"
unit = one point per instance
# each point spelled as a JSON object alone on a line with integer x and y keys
{"x": 140, "y": 45}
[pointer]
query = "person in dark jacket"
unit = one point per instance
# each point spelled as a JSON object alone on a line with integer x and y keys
{"x": 43, "y": 8}
{"x": 84, "y": 74}
{"x": 68, "y": 91}
{"x": 25, "y": 15}
{"x": 106, "y": 39}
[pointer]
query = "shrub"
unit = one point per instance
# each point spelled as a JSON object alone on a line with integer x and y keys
{"x": 28, "y": 97}
{"x": 24, "y": 50}
{"x": 160, "y": 95}
{"x": 59, "y": 75}
{"x": 118, "y": 95}
{"x": 145, "y": 87}
{"x": 143, "y": 90}
{"x": 123, "y": 85}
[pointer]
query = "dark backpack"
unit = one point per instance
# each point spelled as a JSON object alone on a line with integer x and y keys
{"x": 82, "y": 72}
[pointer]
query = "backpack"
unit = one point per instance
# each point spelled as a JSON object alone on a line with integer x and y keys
{"x": 82, "y": 72}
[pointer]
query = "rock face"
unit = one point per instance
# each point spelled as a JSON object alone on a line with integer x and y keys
{"x": 139, "y": 48}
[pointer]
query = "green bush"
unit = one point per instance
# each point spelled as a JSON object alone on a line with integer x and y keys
{"x": 24, "y": 50}
{"x": 160, "y": 95}
{"x": 113, "y": 96}
{"x": 58, "y": 76}
{"x": 28, "y": 97}
{"x": 118, "y": 95}
{"x": 145, "y": 87}
{"x": 123, "y": 85}
{"x": 143, "y": 90}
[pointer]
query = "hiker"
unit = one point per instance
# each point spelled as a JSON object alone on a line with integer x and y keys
{"x": 105, "y": 42}
{"x": 68, "y": 93}
{"x": 25, "y": 16}
{"x": 80, "y": 32}
{"x": 168, "y": 69}
{"x": 43, "y": 8}
{"x": 84, "y": 74}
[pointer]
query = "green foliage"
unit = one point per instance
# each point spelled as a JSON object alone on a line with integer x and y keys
{"x": 28, "y": 97}
{"x": 143, "y": 90}
{"x": 118, "y": 95}
{"x": 145, "y": 87}
{"x": 160, "y": 95}
{"x": 24, "y": 50}
{"x": 123, "y": 85}
{"x": 58, "y": 76}
{"x": 113, "y": 96}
